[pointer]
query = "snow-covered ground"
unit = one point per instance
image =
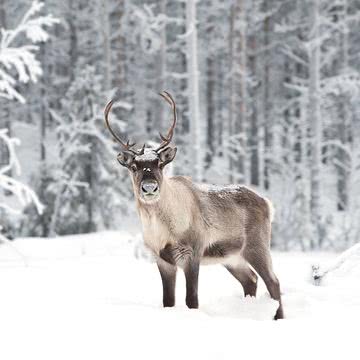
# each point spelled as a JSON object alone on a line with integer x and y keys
{"x": 88, "y": 297}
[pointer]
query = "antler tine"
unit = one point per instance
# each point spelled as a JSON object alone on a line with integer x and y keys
{"x": 142, "y": 150}
{"x": 167, "y": 139}
{"x": 127, "y": 146}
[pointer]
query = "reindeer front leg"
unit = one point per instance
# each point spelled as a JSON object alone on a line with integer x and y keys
{"x": 184, "y": 254}
{"x": 167, "y": 268}
{"x": 168, "y": 278}
{"x": 191, "y": 270}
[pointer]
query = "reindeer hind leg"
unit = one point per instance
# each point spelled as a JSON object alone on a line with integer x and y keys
{"x": 243, "y": 273}
{"x": 262, "y": 264}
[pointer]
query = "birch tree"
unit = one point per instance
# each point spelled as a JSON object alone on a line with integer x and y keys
{"x": 193, "y": 89}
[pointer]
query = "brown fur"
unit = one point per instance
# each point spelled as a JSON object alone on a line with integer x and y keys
{"x": 187, "y": 224}
{"x": 228, "y": 226}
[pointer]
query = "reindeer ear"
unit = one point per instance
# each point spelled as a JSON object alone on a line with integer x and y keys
{"x": 167, "y": 155}
{"x": 125, "y": 158}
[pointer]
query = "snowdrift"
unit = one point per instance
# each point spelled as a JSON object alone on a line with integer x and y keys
{"x": 96, "y": 297}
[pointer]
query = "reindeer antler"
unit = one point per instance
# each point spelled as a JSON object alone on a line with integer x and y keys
{"x": 127, "y": 146}
{"x": 167, "y": 139}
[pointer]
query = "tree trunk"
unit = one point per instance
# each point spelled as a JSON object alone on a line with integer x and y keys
{"x": 314, "y": 119}
{"x": 210, "y": 113}
{"x": 105, "y": 27}
{"x": 4, "y": 108}
{"x": 240, "y": 165}
{"x": 162, "y": 69}
{"x": 254, "y": 119}
{"x": 244, "y": 166}
{"x": 265, "y": 107}
{"x": 343, "y": 125}
{"x": 193, "y": 89}
{"x": 228, "y": 130}
{"x": 43, "y": 125}
{"x": 73, "y": 40}
{"x": 89, "y": 174}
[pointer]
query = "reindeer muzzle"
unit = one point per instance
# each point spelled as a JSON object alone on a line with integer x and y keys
{"x": 149, "y": 189}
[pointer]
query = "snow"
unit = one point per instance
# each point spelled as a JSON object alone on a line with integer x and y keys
{"x": 341, "y": 272}
{"x": 148, "y": 155}
{"x": 220, "y": 188}
{"x": 88, "y": 297}
{"x": 22, "y": 58}
{"x": 21, "y": 192}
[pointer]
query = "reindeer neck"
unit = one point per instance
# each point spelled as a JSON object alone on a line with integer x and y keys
{"x": 173, "y": 198}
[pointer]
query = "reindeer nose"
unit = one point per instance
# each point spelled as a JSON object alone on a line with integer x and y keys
{"x": 149, "y": 187}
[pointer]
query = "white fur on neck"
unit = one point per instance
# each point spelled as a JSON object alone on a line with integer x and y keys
{"x": 175, "y": 203}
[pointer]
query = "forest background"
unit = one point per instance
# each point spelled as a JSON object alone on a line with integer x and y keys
{"x": 267, "y": 94}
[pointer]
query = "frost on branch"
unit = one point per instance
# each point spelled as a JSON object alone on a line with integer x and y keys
{"x": 151, "y": 27}
{"x": 18, "y": 63}
{"x": 20, "y": 191}
{"x": 345, "y": 268}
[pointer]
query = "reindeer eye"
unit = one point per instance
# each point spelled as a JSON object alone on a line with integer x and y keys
{"x": 133, "y": 167}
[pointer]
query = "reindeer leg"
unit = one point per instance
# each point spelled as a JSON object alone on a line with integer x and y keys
{"x": 246, "y": 277}
{"x": 191, "y": 271}
{"x": 261, "y": 262}
{"x": 167, "y": 254}
{"x": 168, "y": 277}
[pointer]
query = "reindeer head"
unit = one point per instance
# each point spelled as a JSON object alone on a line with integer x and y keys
{"x": 146, "y": 164}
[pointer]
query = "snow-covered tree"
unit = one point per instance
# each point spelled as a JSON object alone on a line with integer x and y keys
{"x": 18, "y": 62}
{"x": 80, "y": 191}
{"x": 21, "y": 194}
{"x": 317, "y": 75}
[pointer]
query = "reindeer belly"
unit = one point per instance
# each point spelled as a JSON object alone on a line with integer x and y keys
{"x": 223, "y": 252}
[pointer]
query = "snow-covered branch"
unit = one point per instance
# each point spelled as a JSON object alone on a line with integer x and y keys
{"x": 19, "y": 63}
{"x": 24, "y": 194}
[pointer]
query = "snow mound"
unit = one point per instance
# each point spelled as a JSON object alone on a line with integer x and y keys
{"x": 261, "y": 308}
{"x": 343, "y": 271}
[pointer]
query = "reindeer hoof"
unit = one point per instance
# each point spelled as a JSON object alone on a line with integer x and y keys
{"x": 279, "y": 314}
{"x": 192, "y": 303}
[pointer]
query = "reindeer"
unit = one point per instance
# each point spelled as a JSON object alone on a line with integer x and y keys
{"x": 186, "y": 224}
